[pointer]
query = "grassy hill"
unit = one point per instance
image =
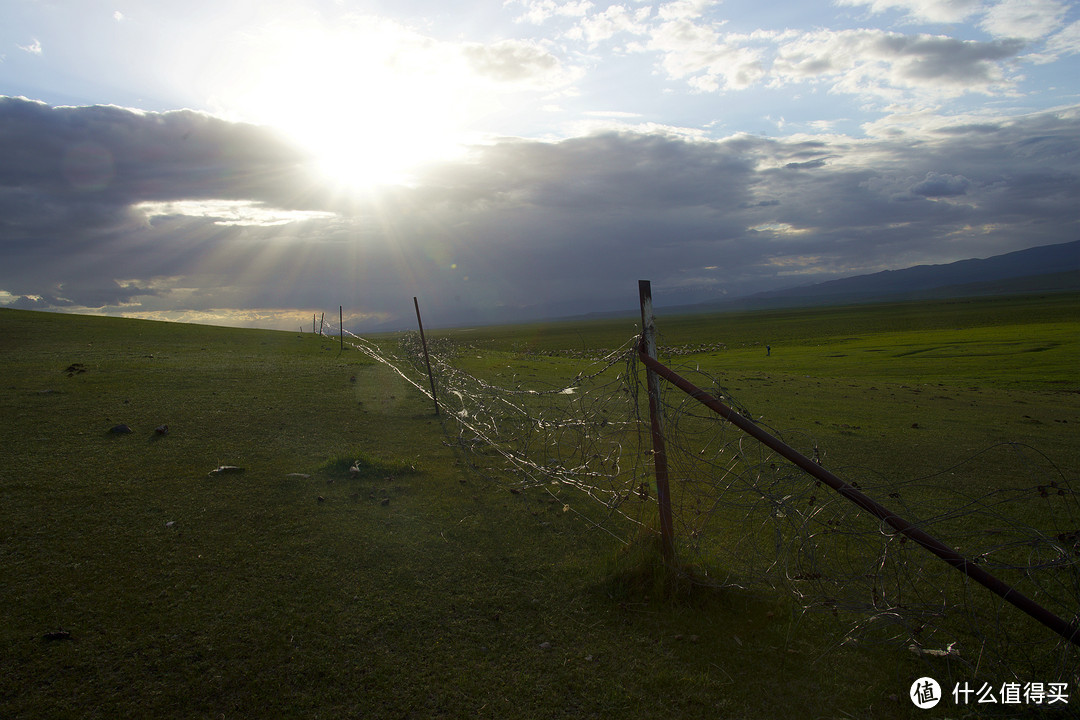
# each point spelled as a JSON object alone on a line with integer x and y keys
{"x": 137, "y": 583}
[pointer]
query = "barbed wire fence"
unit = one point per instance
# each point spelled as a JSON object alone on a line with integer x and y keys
{"x": 746, "y": 517}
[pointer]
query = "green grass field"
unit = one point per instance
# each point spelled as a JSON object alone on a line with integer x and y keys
{"x": 136, "y": 584}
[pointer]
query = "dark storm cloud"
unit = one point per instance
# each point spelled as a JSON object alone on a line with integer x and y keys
{"x": 71, "y": 176}
{"x": 517, "y": 228}
{"x": 942, "y": 185}
{"x": 110, "y": 154}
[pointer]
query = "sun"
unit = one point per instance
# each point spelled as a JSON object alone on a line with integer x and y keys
{"x": 370, "y": 100}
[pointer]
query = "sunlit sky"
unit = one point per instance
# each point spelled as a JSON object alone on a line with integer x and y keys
{"x": 252, "y": 162}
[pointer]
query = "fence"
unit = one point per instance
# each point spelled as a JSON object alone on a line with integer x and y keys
{"x": 735, "y": 513}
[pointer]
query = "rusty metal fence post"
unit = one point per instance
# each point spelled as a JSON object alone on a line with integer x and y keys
{"x": 427, "y": 361}
{"x": 663, "y": 492}
{"x": 656, "y": 370}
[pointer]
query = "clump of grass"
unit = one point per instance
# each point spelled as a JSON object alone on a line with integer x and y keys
{"x": 363, "y": 465}
{"x": 639, "y": 573}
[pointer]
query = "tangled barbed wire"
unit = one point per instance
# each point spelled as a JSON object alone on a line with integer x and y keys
{"x": 746, "y": 517}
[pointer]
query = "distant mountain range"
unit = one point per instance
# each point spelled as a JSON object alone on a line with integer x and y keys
{"x": 1047, "y": 268}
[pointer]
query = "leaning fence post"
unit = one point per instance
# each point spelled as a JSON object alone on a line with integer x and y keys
{"x": 427, "y": 361}
{"x": 663, "y": 494}
{"x": 321, "y": 319}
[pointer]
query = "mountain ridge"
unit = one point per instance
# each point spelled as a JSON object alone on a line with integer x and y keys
{"x": 1045, "y": 268}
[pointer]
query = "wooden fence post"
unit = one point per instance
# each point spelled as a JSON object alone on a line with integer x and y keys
{"x": 663, "y": 493}
{"x": 427, "y": 361}
{"x": 341, "y": 329}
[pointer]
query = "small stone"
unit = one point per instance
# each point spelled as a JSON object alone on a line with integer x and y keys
{"x": 225, "y": 470}
{"x": 320, "y": 499}
{"x": 385, "y": 501}
{"x": 161, "y": 430}
{"x": 170, "y": 523}
{"x": 299, "y": 476}
{"x": 545, "y": 646}
{"x": 121, "y": 429}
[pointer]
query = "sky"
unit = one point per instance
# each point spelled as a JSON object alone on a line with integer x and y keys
{"x": 252, "y": 162}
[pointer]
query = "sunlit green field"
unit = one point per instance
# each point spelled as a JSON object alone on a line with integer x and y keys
{"x": 137, "y": 584}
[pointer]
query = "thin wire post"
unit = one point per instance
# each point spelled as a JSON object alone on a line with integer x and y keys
{"x": 427, "y": 361}
{"x": 663, "y": 493}
{"x": 341, "y": 328}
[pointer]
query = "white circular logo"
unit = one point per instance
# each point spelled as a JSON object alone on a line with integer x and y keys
{"x": 925, "y": 693}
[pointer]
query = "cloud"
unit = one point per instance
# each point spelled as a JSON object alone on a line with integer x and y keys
{"x": 865, "y": 62}
{"x": 878, "y": 62}
{"x": 705, "y": 58}
{"x": 517, "y": 62}
{"x": 539, "y": 11}
{"x": 613, "y": 20}
{"x": 1024, "y": 19}
{"x": 194, "y": 217}
{"x": 941, "y": 185}
{"x": 108, "y": 155}
{"x": 684, "y": 9}
{"x": 34, "y": 48}
{"x": 1066, "y": 42}
{"x": 936, "y": 11}
{"x": 229, "y": 212}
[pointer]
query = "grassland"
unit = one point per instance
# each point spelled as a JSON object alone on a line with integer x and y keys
{"x": 135, "y": 584}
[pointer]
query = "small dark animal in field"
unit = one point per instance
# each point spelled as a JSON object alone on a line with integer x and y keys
{"x": 60, "y": 634}
{"x": 121, "y": 429}
{"x": 161, "y": 430}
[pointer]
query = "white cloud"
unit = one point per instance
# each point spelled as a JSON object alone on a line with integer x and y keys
{"x": 539, "y": 11}
{"x": 708, "y": 60}
{"x": 1025, "y": 19}
{"x": 605, "y": 25}
{"x": 229, "y": 212}
{"x": 33, "y": 48}
{"x": 878, "y": 62}
{"x": 938, "y": 11}
{"x": 684, "y": 9}
{"x": 520, "y": 62}
{"x": 1066, "y": 42}
{"x": 863, "y": 62}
